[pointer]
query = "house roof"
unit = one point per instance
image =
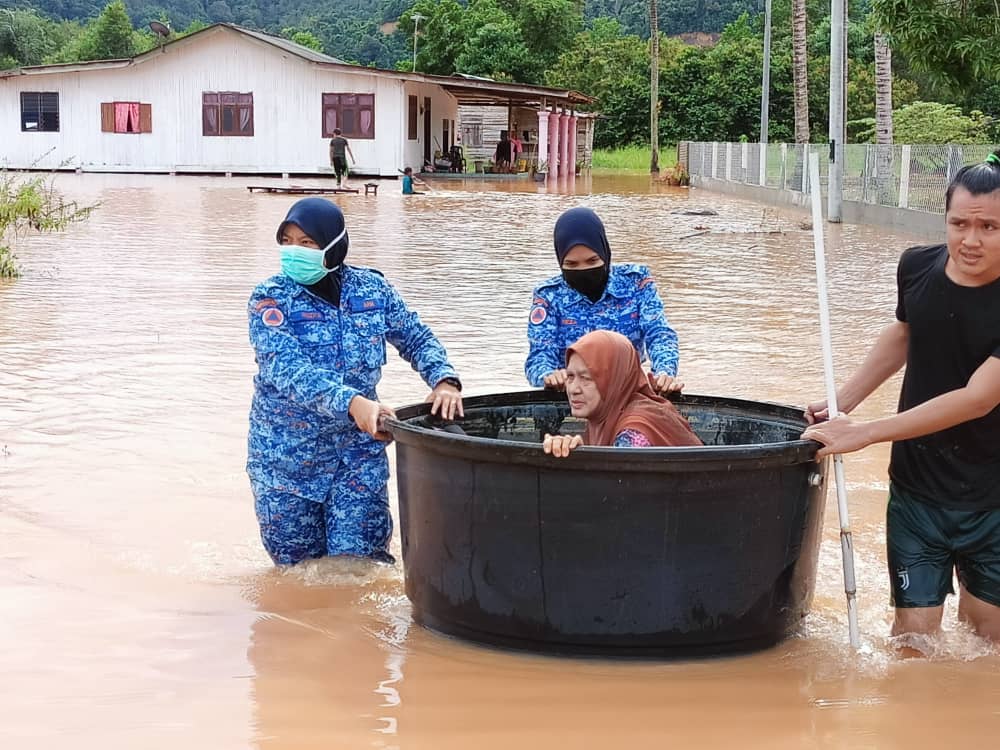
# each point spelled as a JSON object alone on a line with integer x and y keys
{"x": 288, "y": 45}
{"x": 466, "y": 89}
{"x": 484, "y": 92}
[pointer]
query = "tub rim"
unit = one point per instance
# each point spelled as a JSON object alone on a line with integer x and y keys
{"x": 675, "y": 459}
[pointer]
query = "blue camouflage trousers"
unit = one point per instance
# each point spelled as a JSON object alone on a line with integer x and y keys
{"x": 353, "y": 520}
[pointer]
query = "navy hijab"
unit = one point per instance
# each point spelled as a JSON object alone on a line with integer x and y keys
{"x": 581, "y": 226}
{"x": 324, "y": 222}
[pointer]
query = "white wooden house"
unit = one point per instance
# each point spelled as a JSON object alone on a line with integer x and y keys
{"x": 230, "y": 100}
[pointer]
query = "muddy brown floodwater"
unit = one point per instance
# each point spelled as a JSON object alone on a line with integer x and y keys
{"x": 138, "y": 609}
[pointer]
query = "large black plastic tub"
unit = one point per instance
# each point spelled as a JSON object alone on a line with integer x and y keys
{"x": 642, "y": 551}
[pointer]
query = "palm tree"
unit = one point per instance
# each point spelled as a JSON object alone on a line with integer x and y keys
{"x": 799, "y": 79}
{"x": 883, "y": 115}
{"x": 654, "y": 89}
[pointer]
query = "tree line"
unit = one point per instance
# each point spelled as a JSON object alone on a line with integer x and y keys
{"x": 945, "y": 85}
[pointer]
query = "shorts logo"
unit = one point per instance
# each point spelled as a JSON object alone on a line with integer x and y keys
{"x": 904, "y": 578}
{"x": 538, "y": 315}
{"x": 272, "y": 317}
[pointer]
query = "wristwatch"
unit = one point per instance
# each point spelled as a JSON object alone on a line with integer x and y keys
{"x": 452, "y": 381}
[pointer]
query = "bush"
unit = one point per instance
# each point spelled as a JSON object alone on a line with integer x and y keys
{"x": 31, "y": 204}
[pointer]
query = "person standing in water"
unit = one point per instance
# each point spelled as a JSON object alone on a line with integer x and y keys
{"x": 316, "y": 451}
{"x": 501, "y": 155}
{"x": 340, "y": 149}
{"x": 943, "y": 513}
{"x": 592, "y": 294}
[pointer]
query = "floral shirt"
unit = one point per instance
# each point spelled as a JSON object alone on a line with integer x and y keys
{"x": 631, "y": 439}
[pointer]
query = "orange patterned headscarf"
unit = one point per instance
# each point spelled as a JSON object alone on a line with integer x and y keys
{"x": 627, "y": 399}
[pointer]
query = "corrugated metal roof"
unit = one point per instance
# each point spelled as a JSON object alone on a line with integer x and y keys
{"x": 288, "y": 45}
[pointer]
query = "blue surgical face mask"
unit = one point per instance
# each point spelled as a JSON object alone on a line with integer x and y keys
{"x": 302, "y": 264}
{"x": 305, "y": 264}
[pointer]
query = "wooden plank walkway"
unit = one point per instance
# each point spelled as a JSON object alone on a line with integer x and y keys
{"x": 299, "y": 189}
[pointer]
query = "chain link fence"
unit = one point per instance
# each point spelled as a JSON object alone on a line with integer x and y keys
{"x": 899, "y": 176}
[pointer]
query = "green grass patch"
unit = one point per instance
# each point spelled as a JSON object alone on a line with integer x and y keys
{"x": 631, "y": 158}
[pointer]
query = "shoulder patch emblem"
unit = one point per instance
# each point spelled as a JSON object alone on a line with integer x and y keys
{"x": 540, "y": 301}
{"x": 266, "y": 302}
{"x": 272, "y": 317}
{"x": 538, "y": 315}
{"x": 645, "y": 282}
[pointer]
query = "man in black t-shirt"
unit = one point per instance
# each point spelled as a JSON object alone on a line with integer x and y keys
{"x": 339, "y": 149}
{"x": 944, "y": 497}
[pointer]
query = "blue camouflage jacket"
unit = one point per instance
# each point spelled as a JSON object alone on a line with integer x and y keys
{"x": 313, "y": 359}
{"x": 560, "y": 315}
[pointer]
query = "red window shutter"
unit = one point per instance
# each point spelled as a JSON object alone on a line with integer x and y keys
{"x": 107, "y": 117}
{"x": 145, "y": 118}
{"x": 411, "y": 119}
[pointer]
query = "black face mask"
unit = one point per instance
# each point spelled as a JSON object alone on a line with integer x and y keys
{"x": 590, "y": 282}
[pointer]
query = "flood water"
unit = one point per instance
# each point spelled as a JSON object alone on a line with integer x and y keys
{"x": 139, "y": 610}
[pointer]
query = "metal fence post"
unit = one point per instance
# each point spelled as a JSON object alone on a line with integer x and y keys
{"x": 784, "y": 165}
{"x": 904, "y": 177}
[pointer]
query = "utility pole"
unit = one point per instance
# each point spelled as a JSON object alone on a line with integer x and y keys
{"x": 835, "y": 182}
{"x": 765, "y": 93}
{"x": 417, "y": 18}
{"x": 654, "y": 89}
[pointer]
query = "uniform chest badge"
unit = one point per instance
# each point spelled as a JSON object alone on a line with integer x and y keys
{"x": 272, "y": 317}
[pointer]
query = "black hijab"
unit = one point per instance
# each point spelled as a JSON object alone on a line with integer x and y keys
{"x": 581, "y": 226}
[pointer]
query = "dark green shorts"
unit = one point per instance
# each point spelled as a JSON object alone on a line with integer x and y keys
{"x": 925, "y": 543}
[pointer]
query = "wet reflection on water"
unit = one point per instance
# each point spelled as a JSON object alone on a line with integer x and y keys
{"x": 139, "y": 610}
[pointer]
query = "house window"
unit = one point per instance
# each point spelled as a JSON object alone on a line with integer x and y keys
{"x": 40, "y": 110}
{"x": 126, "y": 117}
{"x": 354, "y": 114}
{"x": 472, "y": 134}
{"x": 411, "y": 119}
{"x": 227, "y": 113}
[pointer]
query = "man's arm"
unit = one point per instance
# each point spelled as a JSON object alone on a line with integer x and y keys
{"x": 349, "y": 152}
{"x": 979, "y": 397}
{"x": 886, "y": 356}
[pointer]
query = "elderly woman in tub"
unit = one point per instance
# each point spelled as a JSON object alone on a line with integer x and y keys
{"x": 607, "y": 386}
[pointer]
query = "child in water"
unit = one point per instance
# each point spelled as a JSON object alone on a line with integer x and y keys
{"x": 409, "y": 180}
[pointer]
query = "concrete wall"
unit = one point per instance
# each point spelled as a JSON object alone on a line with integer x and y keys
{"x": 919, "y": 223}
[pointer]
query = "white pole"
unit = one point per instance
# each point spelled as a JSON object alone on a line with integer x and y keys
{"x": 904, "y": 178}
{"x": 417, "y": 18}
{"x": 846, "y": 542}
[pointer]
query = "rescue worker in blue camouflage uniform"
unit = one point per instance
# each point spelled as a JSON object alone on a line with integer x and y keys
{"x": 590, "y": 295}
{"x": 316, "y": 454}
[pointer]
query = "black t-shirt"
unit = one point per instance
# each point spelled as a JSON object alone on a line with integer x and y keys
{"x": 953, "y": 330}
{"x": 338, "y": 147}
